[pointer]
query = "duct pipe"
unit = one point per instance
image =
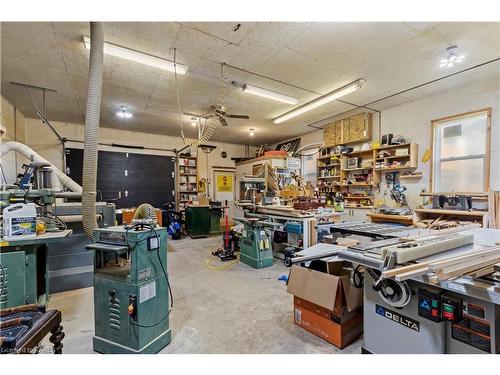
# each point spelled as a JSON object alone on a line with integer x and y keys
{"x": 92, "y": 127}
{"x": 37, "y": 158}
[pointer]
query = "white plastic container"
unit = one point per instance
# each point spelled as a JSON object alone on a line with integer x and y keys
{"x": 19, "y": 221}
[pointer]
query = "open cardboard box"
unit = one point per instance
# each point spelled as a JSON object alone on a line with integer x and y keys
{"x": 326, "y": 303}
{"x": 331, "y": 290}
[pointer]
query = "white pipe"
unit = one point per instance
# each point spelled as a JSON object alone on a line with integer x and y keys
{"x": 35, "y": 157}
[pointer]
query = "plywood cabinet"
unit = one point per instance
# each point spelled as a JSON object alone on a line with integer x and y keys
{"x": 338, "y": 132}
{"x": 354, "y": 129}
{"x": 360, "y": 128}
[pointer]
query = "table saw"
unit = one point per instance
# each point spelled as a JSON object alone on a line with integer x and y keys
{"x": 424, "y": 292}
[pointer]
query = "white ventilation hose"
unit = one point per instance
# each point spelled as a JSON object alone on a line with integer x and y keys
{"x": 32, "y": 155}
{"x": 205, "y": 136}
{"x": 89, "y": 176}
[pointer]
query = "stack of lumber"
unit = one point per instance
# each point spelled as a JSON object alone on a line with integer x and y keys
{"x": 474, "y": 264}
{"x": 282, "y": 211}
{"x": 439, "y": 223}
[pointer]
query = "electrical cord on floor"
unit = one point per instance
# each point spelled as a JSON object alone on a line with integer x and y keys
{"x": 153, "y": 230}
{"x": 226, "y": 266}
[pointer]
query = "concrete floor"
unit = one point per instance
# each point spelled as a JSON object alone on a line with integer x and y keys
{"x": 238, "y": 310}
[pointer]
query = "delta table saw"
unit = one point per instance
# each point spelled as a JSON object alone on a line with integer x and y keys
{"x": 424, "y": 293}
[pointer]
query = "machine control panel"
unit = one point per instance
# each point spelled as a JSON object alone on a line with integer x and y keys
{"x": 474, "y": 310}
{"x": 472, "y": 328}
{"x": 451, "y": 308}
{"x": 429, "y": 304}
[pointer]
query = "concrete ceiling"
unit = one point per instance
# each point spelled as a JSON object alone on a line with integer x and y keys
{"x": 317, "y": 57}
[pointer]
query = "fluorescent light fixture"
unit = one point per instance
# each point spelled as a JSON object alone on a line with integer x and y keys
{"x": 251, "y": 132}
{"x": 139, "y": 57}
{"x": 452, "y": 58}
{"x": 259, "y": 91}
{"x": 344, "y": 90}
{"x": 124, "y": 113}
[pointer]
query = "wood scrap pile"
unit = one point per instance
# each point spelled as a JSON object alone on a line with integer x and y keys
{"x": 439, "y": 223}
{"x": 474, "y": 264}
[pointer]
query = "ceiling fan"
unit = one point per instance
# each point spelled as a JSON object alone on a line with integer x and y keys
{"x": 219, "y": 111}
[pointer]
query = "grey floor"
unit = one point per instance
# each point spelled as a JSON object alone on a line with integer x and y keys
{"x": 238, "y": 310}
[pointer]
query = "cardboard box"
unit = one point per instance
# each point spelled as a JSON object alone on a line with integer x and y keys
{"x": 337, "y": 334}
{"x": 326, "y": 303}
{"x": 331, "y": 290}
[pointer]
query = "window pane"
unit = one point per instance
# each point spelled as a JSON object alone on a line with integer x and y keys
{"x": 462, "y": 175}
{"x": 463, "y": 137}
{"x": 309, "y": 166}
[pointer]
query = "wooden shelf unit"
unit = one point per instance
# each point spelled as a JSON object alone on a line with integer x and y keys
{"x": 188, "y": 181}
{"x": 370, "y": 167}
{"x": 400, "y": 157}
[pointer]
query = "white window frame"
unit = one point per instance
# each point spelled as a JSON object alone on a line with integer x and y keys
{"x": 435, "y": 162}
{"x": 303, "y": 163}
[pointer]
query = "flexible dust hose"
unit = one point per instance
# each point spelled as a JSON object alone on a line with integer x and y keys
{"x": 36, "y": 157}
{"x": 92, "y": 127}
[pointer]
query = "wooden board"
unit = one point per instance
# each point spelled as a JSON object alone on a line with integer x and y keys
{"x": 451, "y": 266}
{"x": 402, "y": 219}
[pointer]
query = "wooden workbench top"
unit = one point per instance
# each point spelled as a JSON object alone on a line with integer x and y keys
{"x": 42, "y": 238}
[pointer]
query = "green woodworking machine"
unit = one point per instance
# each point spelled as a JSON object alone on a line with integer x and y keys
{"x": 256, "y": 248}
{"x": 131, "y": 289}
{"x": 24, "y": 254}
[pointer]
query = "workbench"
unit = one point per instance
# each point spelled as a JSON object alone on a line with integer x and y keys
{"x": 384, "y": 218}
{"x": 24, "y": 269}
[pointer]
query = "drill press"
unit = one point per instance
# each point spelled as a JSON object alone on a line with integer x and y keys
{"x": 131, "y": 289}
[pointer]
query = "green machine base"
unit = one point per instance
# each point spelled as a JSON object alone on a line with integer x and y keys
{"x": 104, "y": 346}
{"x": 256, "y": 247}
{"x": 255, "y": 262}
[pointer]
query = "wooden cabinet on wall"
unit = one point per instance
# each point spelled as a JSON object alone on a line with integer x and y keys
{"x": 354, "y": 129}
